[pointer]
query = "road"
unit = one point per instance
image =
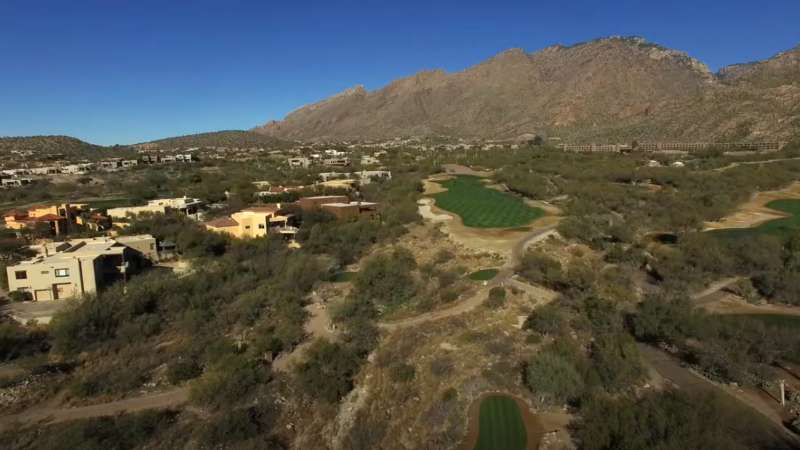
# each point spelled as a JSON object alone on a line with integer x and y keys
{"x": 52, "y": 414}
{"x": 502, "y": 277}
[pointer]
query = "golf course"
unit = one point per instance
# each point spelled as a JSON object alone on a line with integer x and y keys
{"x": 482, "y": 207}
{"x": 782, "y": 228}
{"x": 501, "y": 425}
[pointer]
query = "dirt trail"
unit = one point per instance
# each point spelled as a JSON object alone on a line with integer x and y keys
{"x": 670, "y": 369}
{"x": 707, "y": 294}
{"x": 748, "y": 163}
{"x": 48, "y": 414}
{"x": 502, "y": 277}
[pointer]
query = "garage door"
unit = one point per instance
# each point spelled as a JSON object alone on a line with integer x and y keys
{"x": 43, "y": 294}
{"x": 64, "y": 290}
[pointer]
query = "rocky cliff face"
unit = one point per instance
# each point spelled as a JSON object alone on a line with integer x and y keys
{"x": 608, "y": 89}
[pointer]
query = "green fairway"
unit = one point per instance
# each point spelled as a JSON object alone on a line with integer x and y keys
{"x": 483, "y": 275}
{"x": 481, "y": 207}
{"x": 782, "y": 228}
{"x": 501, "y": 425}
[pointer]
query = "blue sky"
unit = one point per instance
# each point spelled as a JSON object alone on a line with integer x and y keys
{"x": 113, "y": 71}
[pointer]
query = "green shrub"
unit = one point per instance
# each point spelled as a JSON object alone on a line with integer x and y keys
{"x": 20, "y": 296}
{"x": 401, "y": 372}
{"x": 497, "y": 297}
{"x": 182, "y": 369}
{"x": 328, "y": 371}
{"x": 553, "y": 378}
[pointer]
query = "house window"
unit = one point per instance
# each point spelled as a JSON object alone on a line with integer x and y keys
{"x": 21, "y": 275}
{"x": 261, "y": 226}
{"x": 247, "y": 227}
{"x": 62, "y": 273}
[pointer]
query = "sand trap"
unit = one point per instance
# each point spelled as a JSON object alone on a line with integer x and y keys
{"x": 754, "y": 212}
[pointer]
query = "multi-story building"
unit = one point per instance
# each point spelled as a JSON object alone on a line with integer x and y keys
{"x": 183, "y": 205}
{"x": 254, "y": 222}
{"x": 81, "y": 266}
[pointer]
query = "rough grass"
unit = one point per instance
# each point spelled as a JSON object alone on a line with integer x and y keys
{"x": 482, "y": 207}
{"x": 501, "y": 425}
{"x": 782, "y": 228}
{"x": 483, "y": 275}
{"x": 343, "y": 277}
{"x": 769, "y": 320}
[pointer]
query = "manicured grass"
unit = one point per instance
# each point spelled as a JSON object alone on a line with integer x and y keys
{"x": 481, "y": 207}
{"x": 783, "y": 228}
{"x": 483, "y": 275}
{"x": 501, "y": 425}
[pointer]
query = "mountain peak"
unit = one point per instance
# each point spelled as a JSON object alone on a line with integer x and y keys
{"x": 613, "y": 88}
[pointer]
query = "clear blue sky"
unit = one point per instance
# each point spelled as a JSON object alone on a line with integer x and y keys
{"x": 114, "y": 71}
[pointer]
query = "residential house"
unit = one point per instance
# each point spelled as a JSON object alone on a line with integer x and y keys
{"x": 183, "y": 205}
{"x": 316, "y": 202}
{"x": 16, "y": 182}
{"x": 336, "y": 162}
{"x": 80, "y": 266}
{"x": 57, "y": 217}
{"x": 253, "y": 222}
{"x": 351, "y": 210}
{"x": 367, "y": 160}
{"x": 299, "y": 162}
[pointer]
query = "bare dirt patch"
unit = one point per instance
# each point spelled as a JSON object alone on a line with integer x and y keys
{"x": 755, "y": 211}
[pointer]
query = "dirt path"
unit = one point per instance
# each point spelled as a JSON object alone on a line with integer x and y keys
{"x": 748, "y": 163}
{"x": 47, "y": 414}
{"x": 317, "y": 326}
{"x": 671, "y": 370}
{"x": 707, "y": 294}
{"x": 503, "y": 277}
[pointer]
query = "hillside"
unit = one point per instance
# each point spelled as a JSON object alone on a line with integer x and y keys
{"x": 607, "y": 89}
{"x": 228, "y": 138}
{"x": 54, "y": 146}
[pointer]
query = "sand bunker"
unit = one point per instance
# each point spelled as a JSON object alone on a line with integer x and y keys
{"x": 754, "y": 212}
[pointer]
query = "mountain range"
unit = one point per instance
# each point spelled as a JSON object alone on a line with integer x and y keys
{"x": 608, "y": 90}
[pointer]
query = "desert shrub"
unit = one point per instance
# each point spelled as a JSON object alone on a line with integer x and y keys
{"x": 84, "y": 324}
{"x": 553, "y": 378}
{"x": 401, "y": 372}
{"x": 616, "y": 361}
{"x": 539, "y": 268}
{"x": 228, "y": 381}
{"x": 441, "y": 366}
{"x": 125, "y": 432}
{"x": 182, "y": 369}
{"x": 20, "y": 296}
{"x": 665, "y": 420}
{"x": 240, "y": 427}
{"x": 496, "y": 298}
{"x": 17, "y": 340}
{"x": 547, "y": 320}
{"x": 386, "y": 278}
{"x": 328, "y": 371}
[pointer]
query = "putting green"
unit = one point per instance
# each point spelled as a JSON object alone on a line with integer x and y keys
{"x": 481, "y": 207}
{"x": 483, "y": 275}
{"x": 501, "y": 425}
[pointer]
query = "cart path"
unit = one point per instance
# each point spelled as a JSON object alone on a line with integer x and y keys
{"x": 43, "y": 413}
